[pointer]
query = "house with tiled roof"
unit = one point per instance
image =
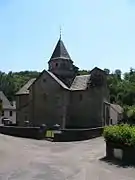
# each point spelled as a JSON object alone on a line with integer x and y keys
{"x": 8, "y": 110}
{"x": 116, "y": 113}
{"x": 60, "y": 96}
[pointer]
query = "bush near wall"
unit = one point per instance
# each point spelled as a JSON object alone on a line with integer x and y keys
{"x": 120, "y": 143}
{"x": 123, "y": 134}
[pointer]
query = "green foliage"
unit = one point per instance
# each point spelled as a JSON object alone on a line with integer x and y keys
{"x": 83, "y": 72}
{"x": 122, "y": 90}
{"x": 121, "y": 134}
{"x": 107, "y": 71}
{"x": 118, "y": 73}
{"x": 131, "y": 112}
{"x": 10, "y": 83}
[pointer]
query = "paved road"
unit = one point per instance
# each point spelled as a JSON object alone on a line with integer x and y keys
{"x": 25, "y": 159}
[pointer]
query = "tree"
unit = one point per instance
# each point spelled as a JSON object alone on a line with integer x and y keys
{"x": 107, "y": 71}
{"x": 83, "y": 72}
{"x": 118, "y": 73}
{"x": 132, "y": 71}
{"x": 129, "y": 113}
{"x": 10, "y": 83}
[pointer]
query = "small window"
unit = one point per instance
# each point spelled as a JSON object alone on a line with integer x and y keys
{"x": 80, "y": 97}
{"x": 44, "y": 96}
{"x": 56, "y": 64}
{"x": 2, "y": 113}
{"x": 44, "y": 80}
{"x": 10, "y": 113}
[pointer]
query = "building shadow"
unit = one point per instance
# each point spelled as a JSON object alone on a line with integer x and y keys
{"x": 117, "y": 163}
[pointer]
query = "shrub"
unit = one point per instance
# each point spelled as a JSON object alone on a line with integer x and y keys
{"x": 122, "y": 134}
{"x": 129, "y": 114}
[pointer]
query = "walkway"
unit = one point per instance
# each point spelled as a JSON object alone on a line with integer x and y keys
{"x": 25, "y": 159}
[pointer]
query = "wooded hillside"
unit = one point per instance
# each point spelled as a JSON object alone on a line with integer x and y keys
{"x": 122, "y": 89}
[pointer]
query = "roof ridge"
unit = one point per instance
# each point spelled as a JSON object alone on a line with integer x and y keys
{"x": 5, "y": 101}
{"x": 58, "y": 80}
{"x": 25, "y": 88}
{"x": 113, "y": 106}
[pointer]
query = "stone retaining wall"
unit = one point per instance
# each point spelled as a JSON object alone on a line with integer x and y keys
{"x": 78, "y": 134}
{"x": 27, "y": 132}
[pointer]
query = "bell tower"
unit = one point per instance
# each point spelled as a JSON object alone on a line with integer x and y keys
{"x": 61, "y": 64}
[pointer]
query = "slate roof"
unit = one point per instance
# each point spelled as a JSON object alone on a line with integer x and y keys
{"x": 96, "y": 68}
{"x": 117, "y": 108}
{"x": 58, "y": 80}
{"x": 5, "y": 102}
{"x": 60, "y": 51}
{"x": 80, "y": 82}
{"x": 25, "y": 88}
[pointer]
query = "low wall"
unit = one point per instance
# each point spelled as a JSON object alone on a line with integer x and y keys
{"x": 59, "y": 135}
{"x": 120, "y": 152}
{"x": 78, "y": 134}
{"x": 27, "y": 132}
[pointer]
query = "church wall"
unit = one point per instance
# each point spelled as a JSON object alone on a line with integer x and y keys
{"x": 22, "y": 108}
{"x": 86, "y": 109}
{"x": 48, "y": 100}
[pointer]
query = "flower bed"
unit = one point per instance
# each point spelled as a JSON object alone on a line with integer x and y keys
{"x": 120, "y": 142}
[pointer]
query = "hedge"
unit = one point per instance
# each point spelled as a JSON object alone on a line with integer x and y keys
{"x": 123, "y": 134}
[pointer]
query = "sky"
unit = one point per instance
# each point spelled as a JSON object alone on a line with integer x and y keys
{"x": 97, "y": 33}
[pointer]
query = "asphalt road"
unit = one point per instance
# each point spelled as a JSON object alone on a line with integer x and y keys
{"x": 25, "y": 159}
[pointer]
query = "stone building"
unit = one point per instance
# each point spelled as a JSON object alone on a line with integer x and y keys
{"x": 61, "y": 96}
{"x": 8, "y": 110}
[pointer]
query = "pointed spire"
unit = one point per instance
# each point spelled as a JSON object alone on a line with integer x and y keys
{"x": 60, "y": 51}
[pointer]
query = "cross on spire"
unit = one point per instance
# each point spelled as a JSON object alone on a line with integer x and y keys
{"x": 60, "y": 32}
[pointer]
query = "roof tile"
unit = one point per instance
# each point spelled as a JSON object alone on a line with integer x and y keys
{"x": 60, "y": 51}
{"x": 5, "y": 102}
{"x": 80, "y": 82}
{"x": 25, "y": 88}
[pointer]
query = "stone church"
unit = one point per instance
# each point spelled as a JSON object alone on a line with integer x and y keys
{"x": 61, "y": 96}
